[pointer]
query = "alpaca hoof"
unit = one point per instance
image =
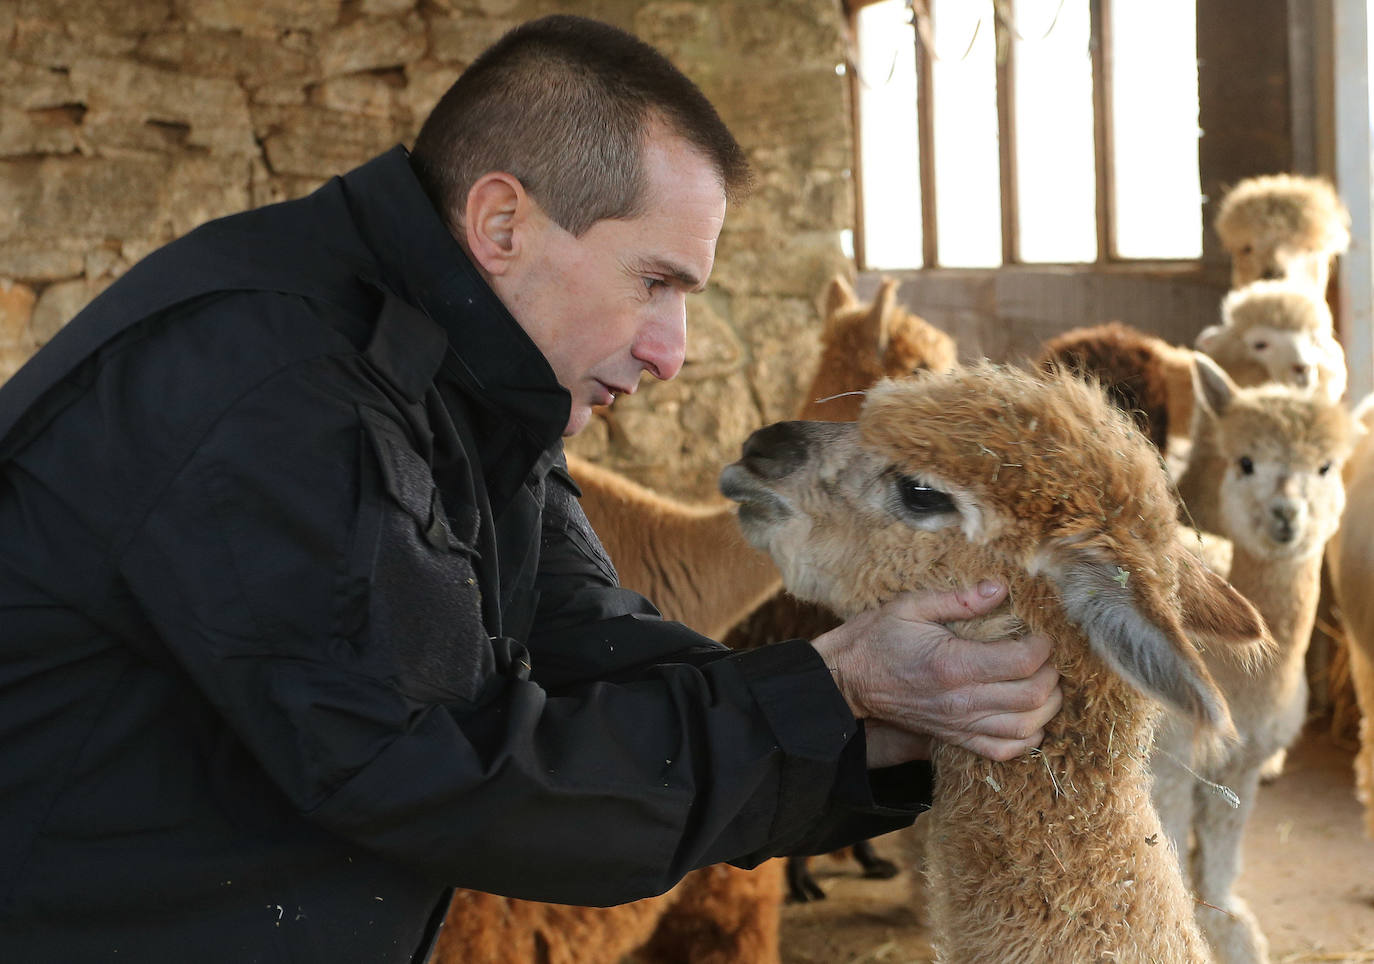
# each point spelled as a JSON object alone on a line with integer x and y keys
{"x": 875, "y": 867}
{"x": 801, "y": 886}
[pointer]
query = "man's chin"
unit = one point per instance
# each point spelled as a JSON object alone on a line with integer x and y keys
{"x": 577, "y": 420}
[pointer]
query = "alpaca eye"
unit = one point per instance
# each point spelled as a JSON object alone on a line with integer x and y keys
{"x": 1261, "y": 345}
{"x": 922, "y": 499}
{"x": 1326, "y": 467}
{"x": 1247, "y": 466}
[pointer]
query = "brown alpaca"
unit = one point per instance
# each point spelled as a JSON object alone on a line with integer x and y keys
{"x": 992, "y": 472}
{"x": 1283, "y": 226}
{"x": 692, "y": 563}
{"x": 1280, "y": 499}
{"x": 1350, "y": 561}
{"x": 1144, "y": 375}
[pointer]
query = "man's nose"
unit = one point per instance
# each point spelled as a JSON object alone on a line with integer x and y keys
{"x": 662, "y": 343}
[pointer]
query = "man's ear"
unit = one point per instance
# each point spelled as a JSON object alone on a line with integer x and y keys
{"x": 497, "y": 204}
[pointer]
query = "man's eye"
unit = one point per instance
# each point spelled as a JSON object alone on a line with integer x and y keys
{"x": 652, "y": 284}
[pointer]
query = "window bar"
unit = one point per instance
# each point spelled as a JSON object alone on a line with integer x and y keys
{"x": 1101, "y": 23}
{"x": 1006, "y": 140}
{"x": 925, "y": 133}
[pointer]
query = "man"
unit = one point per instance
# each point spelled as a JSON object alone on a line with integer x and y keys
{"x": 300, "y": 622}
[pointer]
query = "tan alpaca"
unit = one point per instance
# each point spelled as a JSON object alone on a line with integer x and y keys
{"x": 1272, "y": 332}
{"x": 1350, "y": 562}
{"x": 1283, "y": 226}
{"x": 693, "y": 564}
{"x": 990, "y": 472}
{"x": 1280, "y": 499}
{"x": 690, "y": 560}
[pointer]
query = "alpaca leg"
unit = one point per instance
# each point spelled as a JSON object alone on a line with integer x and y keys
{"x": 801, "y": 886}
{"x": 1362, "y": 673}
{"x": 875, "y": 867}
{"x": 723, "y": 915}
{"x": 1226, "y": 921}
{"x": 1172, "y": 795}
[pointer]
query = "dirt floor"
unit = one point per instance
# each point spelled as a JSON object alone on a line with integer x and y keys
{"x": 1309, "y": 877}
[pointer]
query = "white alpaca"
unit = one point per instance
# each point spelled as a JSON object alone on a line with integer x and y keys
{"x": 1280, "y": 500}
{"x": 990, "y": 472}
{"x": 1272, "y": 332}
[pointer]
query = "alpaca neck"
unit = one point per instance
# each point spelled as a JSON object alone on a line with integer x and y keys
{"x": 1068, "y": 827}
{"x": 677, "y": 555}
{"x": 1285, "y": 592}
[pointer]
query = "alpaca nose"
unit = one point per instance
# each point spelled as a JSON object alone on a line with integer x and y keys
{"x": 1283, "y": 523}
{"x": 776, "y": 450}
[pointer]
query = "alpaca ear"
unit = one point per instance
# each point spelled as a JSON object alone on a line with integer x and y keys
{"x": 1207, "y": 338}
{"x": 877, "y": 328}
{"x": 1212, "y": 387}
{"x": 838, "y": 294}
{"x": 1218, "y": 617}
{"x": 1127, "y": 624}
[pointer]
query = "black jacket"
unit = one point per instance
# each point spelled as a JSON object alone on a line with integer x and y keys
{"x": 301, "y": 623}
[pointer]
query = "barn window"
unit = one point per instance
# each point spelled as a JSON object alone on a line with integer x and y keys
{"x": 996, "y": 132}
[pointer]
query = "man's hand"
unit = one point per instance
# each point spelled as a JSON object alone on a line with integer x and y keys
{"x": 911, "y": 680}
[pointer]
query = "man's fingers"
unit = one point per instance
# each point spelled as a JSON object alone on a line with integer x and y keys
{"x": 998, "y": 660}
{"x": 942, "y": 607}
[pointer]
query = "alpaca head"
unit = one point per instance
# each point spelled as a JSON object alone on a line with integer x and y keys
{"x": 1282, "y": 226}
{"x": 987, "y": 471}
{"x": 862, "y": 343}
{"x": 1278, "y": 331}
{"x": 1281, "y": 493}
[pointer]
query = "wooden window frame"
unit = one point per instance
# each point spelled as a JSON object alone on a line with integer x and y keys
{"x": 1103, "y": 148}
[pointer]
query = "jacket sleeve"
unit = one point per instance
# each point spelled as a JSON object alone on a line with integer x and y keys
{"x": 305, "y": 575}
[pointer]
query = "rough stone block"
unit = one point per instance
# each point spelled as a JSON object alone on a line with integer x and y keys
{"x": 357, "y": 94}
{"x": 25, "y": 132}
{"x": 84, "y": 18}
{"x": 265, "y": 16}
{"x": 79, "y": 197}
{"x": 40, "y": 261}
{"x": 214, "y": 110}
{"x": 16, "y": 308}
{"x": 371, "y": 44}
{"x": 48, "y": 43}
{"x": 457, "y": 41}
{"x": 426, "y": 82}
{"x": 57, "y": 305}
{"x": 201, "y": 188}
{"x": 33, "y": 86}
{"x": 228, "y": 53}
{"x": 320, "y": 143}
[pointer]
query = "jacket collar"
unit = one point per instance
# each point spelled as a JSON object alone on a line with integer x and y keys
{"x": 489, "y": 354}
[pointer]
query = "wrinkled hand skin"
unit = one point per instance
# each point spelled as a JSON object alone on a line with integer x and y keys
{"x": 913, "y": 681}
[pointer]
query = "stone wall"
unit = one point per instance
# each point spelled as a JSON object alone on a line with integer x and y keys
{"x": 125, "y": 123}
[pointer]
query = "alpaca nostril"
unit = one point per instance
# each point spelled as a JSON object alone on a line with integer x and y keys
{"x": 775, "y": 450}
{"x": 1271, "y": 274}
{"x": 1301, "y": 375}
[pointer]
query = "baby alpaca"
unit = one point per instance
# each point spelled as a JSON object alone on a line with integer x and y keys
{"x": 990, "y": 472}
{"x": 1280, "y": 500}
{"x": 1283, "y": 226}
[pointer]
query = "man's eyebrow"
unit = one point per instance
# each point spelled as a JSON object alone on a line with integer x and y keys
{"x": 676, "y": 272}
